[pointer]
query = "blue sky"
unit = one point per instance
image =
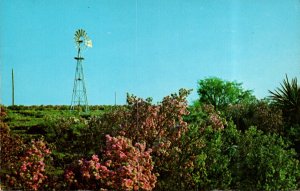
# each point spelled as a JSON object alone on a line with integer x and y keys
{"x": 148, "y": 48}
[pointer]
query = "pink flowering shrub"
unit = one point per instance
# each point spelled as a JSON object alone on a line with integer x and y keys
{"x": 10, "y": 147}
{"x": 161, "y": 126}
{"x": 2, "y": 112}
{"x": 122, "y": 167}
{"x": 30, "y": 172}
{"x": 155, "y": 124}
{"x": 214, "y": 119}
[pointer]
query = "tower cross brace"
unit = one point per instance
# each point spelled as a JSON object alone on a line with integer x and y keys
{"x": 79, "y": 96}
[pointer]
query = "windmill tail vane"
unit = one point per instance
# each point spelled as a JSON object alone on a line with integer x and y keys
{"x": 89, "y": 43}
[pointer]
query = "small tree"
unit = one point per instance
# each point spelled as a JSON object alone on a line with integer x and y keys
{"x": 221, "y": 93}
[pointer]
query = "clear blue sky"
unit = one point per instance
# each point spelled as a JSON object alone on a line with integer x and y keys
{"x": 148, "y": 48}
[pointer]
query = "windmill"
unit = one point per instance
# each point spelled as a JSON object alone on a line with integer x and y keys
{"x": 79, "y": 97}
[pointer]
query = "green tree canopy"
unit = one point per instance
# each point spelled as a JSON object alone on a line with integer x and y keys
{"x": 221, "y": 93}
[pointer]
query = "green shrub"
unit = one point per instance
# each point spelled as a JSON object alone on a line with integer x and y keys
{"x": 68, "y": 136}
{"x": 214, "y": 166}
{"x": 266, "y": 162}
{"x": 260, "y": 114}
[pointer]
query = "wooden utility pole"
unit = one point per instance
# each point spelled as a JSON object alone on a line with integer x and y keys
{"x": 13, "y": 87}
{"x": 115, "y": 98}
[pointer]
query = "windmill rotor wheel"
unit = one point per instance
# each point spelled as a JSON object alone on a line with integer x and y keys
{"x": 80, "y": 38}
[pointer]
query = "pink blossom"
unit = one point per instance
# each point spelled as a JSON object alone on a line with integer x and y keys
{"x": 23, "y": 167}
{"x": 95, "y": 158}
{"x": 128, "y": 183}
{"x": 122, "y": 155}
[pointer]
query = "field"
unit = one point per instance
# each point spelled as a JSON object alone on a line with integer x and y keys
{"x": 29, "y": 121}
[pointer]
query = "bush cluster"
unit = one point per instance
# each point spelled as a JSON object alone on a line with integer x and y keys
{"x": 163, "y": 146}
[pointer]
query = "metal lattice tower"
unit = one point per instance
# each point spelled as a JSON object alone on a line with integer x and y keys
{"x": 79, "y": 96}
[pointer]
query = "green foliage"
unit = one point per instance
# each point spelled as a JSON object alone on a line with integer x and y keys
{"x": 220, "y": 93}
{"x": 198, "y": 147}
{"x": 205, "y": 115}
{"x": 214, "y": 164}
{"x": 231, "y": 159}
{"x": 68, "y": 137}
{"x": 266, "y": 162}
{"x": 293, "y": 135}
{"x": 287, "y": 98}
{"x": 108, "y": 123}
{"x": 260, "y": 114}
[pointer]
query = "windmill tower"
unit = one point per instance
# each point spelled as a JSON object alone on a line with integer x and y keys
{"x": 79, "y": 97}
